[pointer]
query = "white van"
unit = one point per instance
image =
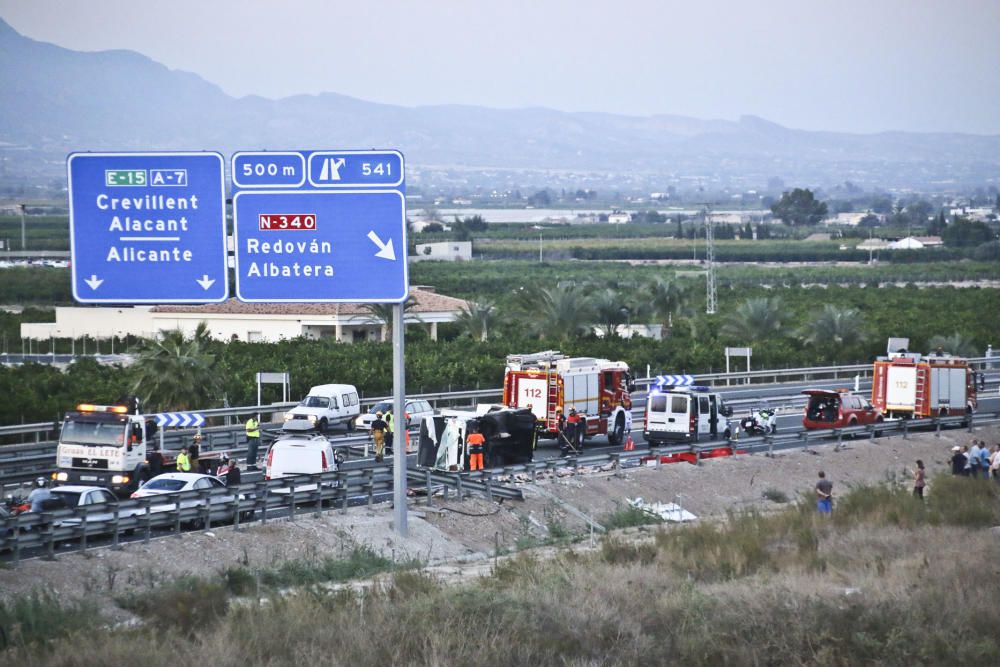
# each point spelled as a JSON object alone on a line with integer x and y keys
{"x": 300, "y": 454}
{"x": 326, "y": 405}
{"x": 685, "y": 414}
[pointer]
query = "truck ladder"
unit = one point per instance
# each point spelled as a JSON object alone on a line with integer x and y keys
{"x": 920, "y": 402}
{"x": 552, "y": 381}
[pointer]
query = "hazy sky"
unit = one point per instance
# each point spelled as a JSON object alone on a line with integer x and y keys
{"x": 868, "y": 65}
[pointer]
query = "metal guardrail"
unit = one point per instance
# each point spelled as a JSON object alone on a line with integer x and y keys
{"x": 238, "y": 505}
{"x": 809, "y": 373}
{"x": 47, "y": 529}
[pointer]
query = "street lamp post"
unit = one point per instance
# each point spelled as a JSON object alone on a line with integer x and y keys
{"x": 24, "y": 243}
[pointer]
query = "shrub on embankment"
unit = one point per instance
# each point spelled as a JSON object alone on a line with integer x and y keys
{"x": 885, "y": 580}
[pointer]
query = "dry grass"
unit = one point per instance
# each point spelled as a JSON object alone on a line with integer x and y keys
{"x": 885, "y": 580}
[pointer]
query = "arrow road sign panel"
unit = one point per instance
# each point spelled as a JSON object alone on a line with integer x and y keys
{"x": 320, "y": 246}
{"x": 147, "y": 227}
{"x": 183, "y": 419}
{"x": 675, "y": 380}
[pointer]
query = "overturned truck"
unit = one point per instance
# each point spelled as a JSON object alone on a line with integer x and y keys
{"x": 510, "y": 438}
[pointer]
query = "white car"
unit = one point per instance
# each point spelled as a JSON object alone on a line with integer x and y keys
{"x": 177, "y": 482}
{"x": 415, "y": 407}
{"x": 100, "y": 503}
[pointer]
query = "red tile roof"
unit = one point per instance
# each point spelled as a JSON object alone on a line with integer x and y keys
{"x": 422, "y": 301}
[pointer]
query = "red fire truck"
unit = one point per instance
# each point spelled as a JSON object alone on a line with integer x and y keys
{"x": 546, "y": 381}
{"x": 911, "y": 385}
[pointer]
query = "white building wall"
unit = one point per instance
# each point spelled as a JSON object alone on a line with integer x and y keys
{"x": 72, "y": 322}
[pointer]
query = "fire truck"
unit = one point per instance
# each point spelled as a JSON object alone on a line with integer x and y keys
{"x": 546, "y": 382}
{"x": 910, "y": 385}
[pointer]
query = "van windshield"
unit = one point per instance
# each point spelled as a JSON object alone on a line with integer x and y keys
{"x": 103, "y": 434}
{"x": 315, "y": 402}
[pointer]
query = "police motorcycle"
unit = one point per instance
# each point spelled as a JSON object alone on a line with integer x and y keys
{"x": 760, "y": 422}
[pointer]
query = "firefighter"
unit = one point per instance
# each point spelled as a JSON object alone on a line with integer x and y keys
{"x": 379, "y": 428}
{"x": 574, "y": 428}
{"x": 561, "y": 434}
{"x": 476, "y": 443}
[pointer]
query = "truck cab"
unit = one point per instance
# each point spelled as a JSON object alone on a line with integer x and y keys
{"x": 685, "y": 414}
{"x": 101, "y": 445}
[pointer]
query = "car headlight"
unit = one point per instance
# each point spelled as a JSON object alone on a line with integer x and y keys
{"x": 119, "y": 479}
{"x": 60, "y": 476}
{"x": 312, "y": 418}
{"x": 288, "y": 416}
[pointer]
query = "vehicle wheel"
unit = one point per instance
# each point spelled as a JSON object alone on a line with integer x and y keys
{"x": 617, "y": 435}
{"x": 350, "y": 425}
{"x": 322, "y": 426}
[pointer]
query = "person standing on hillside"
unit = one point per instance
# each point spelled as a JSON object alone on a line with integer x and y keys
{"x": 253, "y": 441}
{"x": 824, "y": 494}
{"x": 919, "y": 480}
{"x": 958, "y": 461}
{"x": 995, "y": 463}
{"x": 974, "y": 459}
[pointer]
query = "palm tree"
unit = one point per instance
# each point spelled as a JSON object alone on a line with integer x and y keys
{"x": 174, "y": 372}
{"x": 610, "y": 311}
{"x": 754, "y": 320}
{"x": 956, "y": 344}
{"x": 834, "y": 329}
{"x": 477, "y": 319}
{"x": 555, "y": 313}
{"x": 382, "y": 313}
{"x": 666, "y": 300}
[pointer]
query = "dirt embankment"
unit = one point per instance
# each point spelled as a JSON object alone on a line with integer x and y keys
{"x": 455, "y": 532}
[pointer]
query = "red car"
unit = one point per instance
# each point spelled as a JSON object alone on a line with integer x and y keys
{"x": 827, "y": 408}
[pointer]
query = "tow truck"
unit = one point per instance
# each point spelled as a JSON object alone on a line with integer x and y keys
{"x": 106, "y": 446}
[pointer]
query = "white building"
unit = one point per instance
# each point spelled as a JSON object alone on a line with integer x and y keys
{"x": 445, "y": 251}
{"x": 249, "y": 322}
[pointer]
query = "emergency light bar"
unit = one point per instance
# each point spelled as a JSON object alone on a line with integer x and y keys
{"x": 682, "y": 388}
{"x": 88, "y": 407}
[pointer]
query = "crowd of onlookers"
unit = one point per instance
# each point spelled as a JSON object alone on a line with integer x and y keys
{"x": 976, "y": 460}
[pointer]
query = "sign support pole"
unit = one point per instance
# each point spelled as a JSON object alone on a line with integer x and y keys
{"x": 399, "y": 419}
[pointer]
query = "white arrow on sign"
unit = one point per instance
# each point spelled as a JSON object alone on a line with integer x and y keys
{"x": 385, "y": 249}
{"x": 94, "y": 281}
{"x": 205, "y": 281}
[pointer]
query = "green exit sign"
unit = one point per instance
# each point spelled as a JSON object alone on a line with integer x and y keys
{"x": 124, "y": 177}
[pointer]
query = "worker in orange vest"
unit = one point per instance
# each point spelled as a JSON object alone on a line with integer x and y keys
{"x": 477, "y": 444}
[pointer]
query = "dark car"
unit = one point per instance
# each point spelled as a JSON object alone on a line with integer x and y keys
{"x": 827, "y": 408}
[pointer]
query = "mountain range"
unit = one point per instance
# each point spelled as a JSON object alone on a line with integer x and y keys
{"x": 56, "y": 101}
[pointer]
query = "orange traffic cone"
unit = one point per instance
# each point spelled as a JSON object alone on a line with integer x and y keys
{"x": 629, "y": 444}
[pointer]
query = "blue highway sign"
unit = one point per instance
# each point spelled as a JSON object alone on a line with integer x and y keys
{"x": 267, "y": 169}
{"x": 317, "y": 170}
{"x": 320, "y": 245}
{"x": 147, "y": 227}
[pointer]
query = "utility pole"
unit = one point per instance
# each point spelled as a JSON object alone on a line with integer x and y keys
{"x": 24, "y": 244}
{"x": 539, "y": 248}
{"x": 710, "y": 258}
